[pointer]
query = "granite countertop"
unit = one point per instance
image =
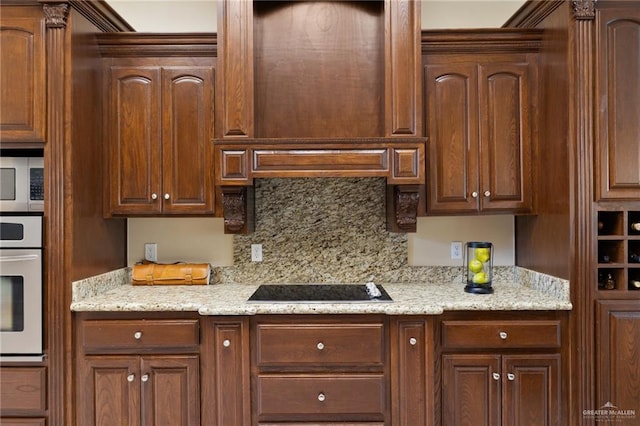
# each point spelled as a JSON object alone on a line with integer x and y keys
{"x": 231, "y": 299}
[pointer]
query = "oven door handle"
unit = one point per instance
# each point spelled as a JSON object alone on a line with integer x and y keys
{"x": 19, "y": 258}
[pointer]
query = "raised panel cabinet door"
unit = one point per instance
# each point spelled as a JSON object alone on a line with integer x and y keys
{"x": 505, "y": 137}
{"x": 108, "y": 391}
{"x": 187, "y": 147}
{"x": 471, "y": 389}
{"x": 531, "y": 390}
{"x": 618, "y": 354}
{"x": 618, "y": 97}
{"x": 411, "y": 404}
{"x": 22, "y": 75}
{"x": 170, "y": 390}
{"x": 228, "y": 376}
{"x": 134, "y": 126}
{"x": 452, "y": 129}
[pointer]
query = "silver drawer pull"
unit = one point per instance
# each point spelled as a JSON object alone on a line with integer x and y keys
{"x": 154, "y": 196}
{"x": 511, "y": 376}
{"x": 137, "y": 335}
{"x": 167, "y": 196}
{"x": 474, "y": 194}
{"x": 321, "y": 397}
{"x": 413, "y": 341}
{"x": 487, "y": 193}
{"x": 496, "y": 376}
{"x": 144, "y": 378}
{"x": 503, "y": 335}
{"x": 226, "y": 343}
{"x": 131, "y": 378}
{"x": 320, "y": 346}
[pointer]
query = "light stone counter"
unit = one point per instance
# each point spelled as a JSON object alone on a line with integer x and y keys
{"x": 106, "y": 293}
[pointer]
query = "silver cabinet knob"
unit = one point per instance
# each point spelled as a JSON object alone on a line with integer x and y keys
{"x": 144, "y": 378}
{"x": 226, "y": 343}
{"x": 137, "y": 335}
{"x": 487, "y": 193}
{"x": 321, "y": 397}
{"x": 496, "y": 376}
{"x": 474, "y": 194}
{"x": 154, "y": 196}
{"x": 413, "y": 341}
{"x": 131, "y": 378}
{"x": 167, "y": 196}
{"x": 511, "y": 376}
{"x": 503, "y": 335}
{"x": 320, "y": 346}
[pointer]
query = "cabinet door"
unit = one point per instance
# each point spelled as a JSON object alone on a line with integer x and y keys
{"x": 452, "y": 128}
{"x": 227, "y": 388}
{"x": 411, "y": 399}
{"x": 505, "y": 131}
{"x": 471, "y": 389}
{"x": 134, "y": 140}
{"x": 618, "y": 356}
{"x": 108, "y": 391}
{"x": 170, "y": 390}
{"x": 618, "y": 97}
{"x": 531, "y": 390}
{"x": 187, "y": 154}
{"x": 23, "y": 75}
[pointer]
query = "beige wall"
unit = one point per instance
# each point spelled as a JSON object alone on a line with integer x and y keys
{"x": 200, "y": 15}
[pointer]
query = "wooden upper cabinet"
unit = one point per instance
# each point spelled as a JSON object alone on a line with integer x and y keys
{"x": 480, "y": 135}
{"x": 22, "y": 75}
{"x": 160, "y": 123}
{"x": 618, "y": 98}
{"x": 319, "y": 69}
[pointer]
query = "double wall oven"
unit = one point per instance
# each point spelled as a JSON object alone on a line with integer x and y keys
{"x": 21, "y": 265}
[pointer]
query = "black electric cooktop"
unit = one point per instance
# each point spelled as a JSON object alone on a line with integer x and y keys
{"x": 320, "y": 293}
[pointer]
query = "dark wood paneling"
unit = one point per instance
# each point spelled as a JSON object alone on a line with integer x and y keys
{"x": 329, "y": 81}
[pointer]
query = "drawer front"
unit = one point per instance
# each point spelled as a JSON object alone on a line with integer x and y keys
{"x": 101, "y": 336}
{"x": 322, "y": 424}
{"x": 320, "y": 344}
{"x": 500, "y": 334}
{"x": 24, "y": 421}
{"x": 283, "y": 397}
{"x": 23, "y": 390}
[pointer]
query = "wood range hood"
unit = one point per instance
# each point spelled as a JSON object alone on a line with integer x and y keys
{"x": 319, "y": 89}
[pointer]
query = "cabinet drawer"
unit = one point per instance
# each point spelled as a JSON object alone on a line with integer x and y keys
{"x": 23, "y": 390}
{"x": 320, "y": 344}
{"x": 282, "y": 397}
{"x": 99, "y": 336}
{"x": 500, "y": 334}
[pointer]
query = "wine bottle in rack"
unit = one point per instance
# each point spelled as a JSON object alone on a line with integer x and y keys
{"x": 635, "y": 226}
{"x": 634, "y": 258}
{"x": 634, "y": 284}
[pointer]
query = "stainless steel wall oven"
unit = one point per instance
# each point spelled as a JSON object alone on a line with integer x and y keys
{"x": 21, "y": 289}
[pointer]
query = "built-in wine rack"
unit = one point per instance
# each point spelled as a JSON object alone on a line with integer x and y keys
{"x": 618, "y": 251}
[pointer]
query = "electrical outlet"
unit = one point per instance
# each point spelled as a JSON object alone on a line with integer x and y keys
{"x": 256, "y": 252}
{"x": 151, "y": 252}
{"x": 456, "y": 250}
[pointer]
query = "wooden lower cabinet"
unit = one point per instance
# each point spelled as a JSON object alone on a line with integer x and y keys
{"x": 502, "y": 369}
{"x": 618, "y": 357}
{"x": 329, "y": 369}
{"x": 137, "y": 370}
{"x": 491, "y": 389}
{"x": 148, "y": 390}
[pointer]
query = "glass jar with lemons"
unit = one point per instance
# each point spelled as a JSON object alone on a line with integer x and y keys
{"x": 478, "y": 267}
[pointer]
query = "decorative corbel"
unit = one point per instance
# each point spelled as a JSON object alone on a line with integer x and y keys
{"x": 402, "y": 208}
{"x": 55, "y": 15}
{"x": 584, "y": 9}
{"x": 238, "y": 209}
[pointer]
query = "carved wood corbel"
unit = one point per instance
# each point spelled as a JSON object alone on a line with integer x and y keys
{"x": 584, "y": 9}
{"x": 402, "y": 208}
{"x": 55, "y": 15}
{"x": 238, "y": 209}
